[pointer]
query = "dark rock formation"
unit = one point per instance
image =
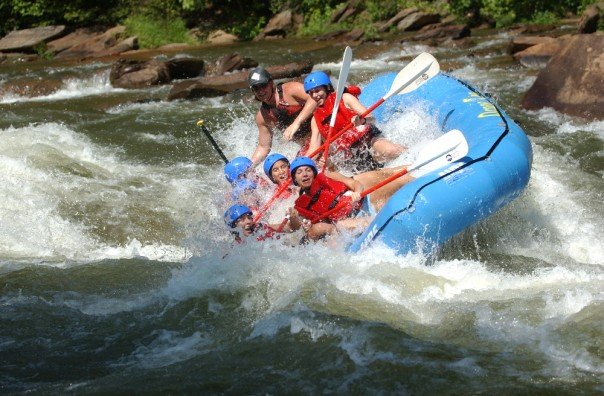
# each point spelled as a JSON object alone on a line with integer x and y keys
{"x": 573, "y": 80}
{"x": 185, "y": 67}
{"x": 589, "y": 19}
{"x": 349, "y": 10}
{"x": 397, "y": 18}
{"x": 230, "y": 63}
{"x": 111, "y": 42}
{"x": 127, "y": 73}
{"x": 442, "y": 32}
{"x": 520, "y": 43}
{"x": 278, "y": 26}
{"x": 416, "y": 21}
{"x": 538, "y": 55}
{"x": 31, "y": 87}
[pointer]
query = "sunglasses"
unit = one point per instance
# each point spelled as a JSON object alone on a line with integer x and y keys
{"x": 259, "y": 87}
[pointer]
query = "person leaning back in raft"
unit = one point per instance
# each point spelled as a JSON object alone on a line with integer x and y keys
{"x": 276, "y": 168}
{"x": 240, "y": 219}
{"x": 285, "y": 106}
{"x": 355, "y": 142}
{"x": 245, "y": 183}
{"x": 321, "y": 193}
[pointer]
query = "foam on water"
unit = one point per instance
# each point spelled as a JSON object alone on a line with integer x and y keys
{"x": 167, "y": 348}
{"x": 97, "y": 84}
{"x": 564, "y": 124}
{"x": 286, "y": 285}
{"x": 48, "y": 168}
{"x": 564, "y": 212}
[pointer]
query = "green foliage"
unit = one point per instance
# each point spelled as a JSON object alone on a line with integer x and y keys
{"x": 506, "y": 12}
{"x": 159, "y": 21}
{"x": 249, "y": 28}
{"x": 42, "y": 51}
{"x": 21, "y": 14}
{"x": 317, "y": 22}
{"x": 381, "y": 10}
{"x": 543, "y": 18}
{"x": 154, "y": 32}
{"x": 501, "y": 11}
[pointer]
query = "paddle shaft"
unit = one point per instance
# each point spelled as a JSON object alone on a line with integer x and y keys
{"x": 393, "y": 91}
{"x": 364, "y": 193}
{"x": 268, "y": 203}
{"x": 344, "y": 129}
{"x": 213, "y": 142}
{"x": 343, "y": 76}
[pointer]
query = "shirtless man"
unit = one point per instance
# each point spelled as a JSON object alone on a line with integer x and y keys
{"x": 285, "y": 106}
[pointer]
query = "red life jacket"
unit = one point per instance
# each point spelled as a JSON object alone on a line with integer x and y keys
{"x": 283, "y": 114}
{"x": 324, "y": 194}
{"x": 322, "y": 116}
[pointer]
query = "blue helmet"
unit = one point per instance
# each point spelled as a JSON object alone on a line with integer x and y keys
{"x": 316, "y": 79}
{"x": 236, "y": 167}
{"x": 240, "y": 187}
{"x": 301, "y": 161}
{"x": 270, "y": 161}
{"x": 234, "y": 213}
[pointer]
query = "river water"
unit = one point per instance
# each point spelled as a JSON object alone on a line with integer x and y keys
{"x": 117, "y": 274}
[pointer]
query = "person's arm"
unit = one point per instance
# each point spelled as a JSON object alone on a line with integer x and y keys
{"x": 354, "y": 185}
{"x": 265, "y": 140}
{"x": 298, "y": 93}
{"x": 315, "y": 137}
{"x": 294, "y": 223}
{"x": 353, "y": 103}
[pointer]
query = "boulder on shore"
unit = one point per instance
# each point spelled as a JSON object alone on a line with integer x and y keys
{"x": 279, "y": 26}
{"x": 402, "y": 14}
{"x": 90, "y": 44}
{"x": 221, "y": 37}
{"x": 441, "y": 32}
{"x": 26, "y": 40}
{"x": 573, "y": 80}
{"x": 416, "y": 21}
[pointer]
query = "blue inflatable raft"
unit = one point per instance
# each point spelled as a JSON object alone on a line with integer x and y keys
{"x": 431, "y": 209}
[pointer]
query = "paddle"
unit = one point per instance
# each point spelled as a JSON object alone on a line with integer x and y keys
{"x": 282, "y": 187}
{"x": 446, "y": 149}
{"x": 414, "y": 75}
{"x": 209, "y": 136}
{"x": 347, "y": 58}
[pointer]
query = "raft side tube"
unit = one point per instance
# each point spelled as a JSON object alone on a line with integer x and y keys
{"x": 434, "y": 207}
